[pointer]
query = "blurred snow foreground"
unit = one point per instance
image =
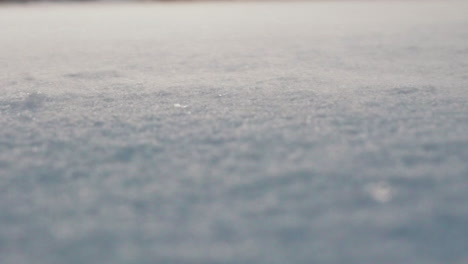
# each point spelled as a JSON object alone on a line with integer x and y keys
{"x": 307, "y": 132}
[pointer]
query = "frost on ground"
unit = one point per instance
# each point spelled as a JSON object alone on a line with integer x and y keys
{"x": 321, "y": 132}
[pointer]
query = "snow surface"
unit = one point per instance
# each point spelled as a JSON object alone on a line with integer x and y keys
{"x": 296, "y": 132}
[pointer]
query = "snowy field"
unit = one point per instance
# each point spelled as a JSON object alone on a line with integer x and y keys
{"x": 205, "y": 133}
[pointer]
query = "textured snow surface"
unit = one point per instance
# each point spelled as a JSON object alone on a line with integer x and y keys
{"x": 202, "y": 133}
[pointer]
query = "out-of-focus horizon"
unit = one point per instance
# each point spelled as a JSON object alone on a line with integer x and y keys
{"x": 63, "y": 1}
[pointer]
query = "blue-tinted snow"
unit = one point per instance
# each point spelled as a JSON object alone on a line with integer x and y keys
{"x": 321, "y": 132}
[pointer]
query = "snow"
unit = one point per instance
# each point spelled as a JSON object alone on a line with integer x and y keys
{"x": 295, "y": 132}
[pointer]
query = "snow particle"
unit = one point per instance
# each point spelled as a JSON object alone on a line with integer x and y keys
{"x": 180, "y": 106}
{"x": 381, "y": 192}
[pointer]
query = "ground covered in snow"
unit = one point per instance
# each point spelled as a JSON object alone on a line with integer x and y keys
{"x": 296, "y": 132}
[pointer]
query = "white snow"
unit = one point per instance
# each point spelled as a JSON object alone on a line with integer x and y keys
{"x": 268, "y": 132}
